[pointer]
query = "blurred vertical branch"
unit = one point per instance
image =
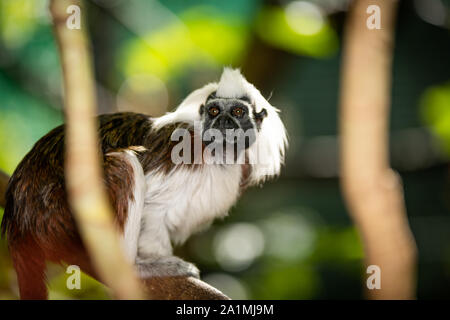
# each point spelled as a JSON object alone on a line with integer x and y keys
{"x": 372, "y": 190}
{"x": 85, "y": 188}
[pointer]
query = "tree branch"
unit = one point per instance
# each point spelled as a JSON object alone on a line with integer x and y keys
{"x": 181, "y": 288}
{"x": 372, "y": 190}
{"x": 85, "y": 190}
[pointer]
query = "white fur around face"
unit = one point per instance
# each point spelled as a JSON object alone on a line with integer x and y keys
{"x": 184, "y": 202}
{"x": 271, "y": 142}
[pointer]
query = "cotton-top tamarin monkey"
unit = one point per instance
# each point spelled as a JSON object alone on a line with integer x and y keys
{"x": 158, "y": 200}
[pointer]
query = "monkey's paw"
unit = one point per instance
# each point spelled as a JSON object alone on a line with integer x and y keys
{"x": 169, "y": 266}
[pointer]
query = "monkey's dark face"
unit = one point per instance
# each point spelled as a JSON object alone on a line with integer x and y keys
{"x": 228, "y": 121}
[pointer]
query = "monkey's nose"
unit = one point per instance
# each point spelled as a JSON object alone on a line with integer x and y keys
{"x": 227, "y": 123}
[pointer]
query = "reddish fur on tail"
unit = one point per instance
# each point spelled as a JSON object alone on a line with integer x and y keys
{"x": 29, "y": 262}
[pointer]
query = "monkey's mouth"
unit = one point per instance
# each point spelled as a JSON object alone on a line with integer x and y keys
{"x": 229, "y": 138}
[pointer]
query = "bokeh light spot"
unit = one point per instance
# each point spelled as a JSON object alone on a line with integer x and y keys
{"x": 238, "y": 245}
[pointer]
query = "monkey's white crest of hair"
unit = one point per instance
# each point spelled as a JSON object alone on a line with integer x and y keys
{"x": 231, "y": 84}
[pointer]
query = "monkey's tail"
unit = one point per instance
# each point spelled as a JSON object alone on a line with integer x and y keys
{"x": 27, "y": 256}
{"x": 29, "y": 261}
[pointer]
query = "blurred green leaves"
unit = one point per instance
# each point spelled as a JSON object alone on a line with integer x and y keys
{"x": 206, "y": 37}
{"x": 293, "y": 281}
{"x": 23, "y": 120}
{"x": 435, "y": 107}
{"x": 18, "y": 20}
{"x": 338, "y": 245}
{"x": 290, "y": 29}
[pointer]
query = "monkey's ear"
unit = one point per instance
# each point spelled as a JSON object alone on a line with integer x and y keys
{"x": 202, "y": 109}
{"x": 259, "y": 116}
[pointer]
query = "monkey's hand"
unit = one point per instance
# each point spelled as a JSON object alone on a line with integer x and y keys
{"x": 165, "y": 266}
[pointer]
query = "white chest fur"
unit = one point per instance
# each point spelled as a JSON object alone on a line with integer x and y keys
{"x": 186, "y": 200}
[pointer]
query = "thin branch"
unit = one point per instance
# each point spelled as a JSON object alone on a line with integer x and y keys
{"x": 85, "y": 189}
{"x": 372, "y": 190}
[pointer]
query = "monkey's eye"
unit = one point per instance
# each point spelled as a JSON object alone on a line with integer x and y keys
{"x": 213, "y": 111}
{"x": 238, "y": 112}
